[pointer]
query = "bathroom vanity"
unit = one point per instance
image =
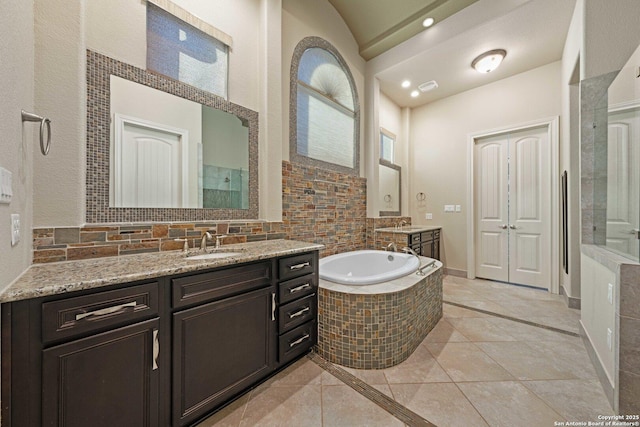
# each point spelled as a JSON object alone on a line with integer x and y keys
{"x": 424, "y": 240}
{"x": 154, "y": 339}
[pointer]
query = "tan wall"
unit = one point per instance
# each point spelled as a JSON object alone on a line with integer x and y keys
{"x": 440, "y": 138}
{"x": 19, "y": 143}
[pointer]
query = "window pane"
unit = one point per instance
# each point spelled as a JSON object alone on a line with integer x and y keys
{"x": 182, "y": 52}
{"x": 322, "y": 71}
{"x": 386, "y": 147}
{"x": 324, "y": 132}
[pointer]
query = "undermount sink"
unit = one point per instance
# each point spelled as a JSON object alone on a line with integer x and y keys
{"x": 213, "y": 255}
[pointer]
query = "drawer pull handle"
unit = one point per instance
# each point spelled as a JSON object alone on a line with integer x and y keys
{"x": 299, "y": 266}
{"x": 105, "y": 311}
{"x": 273, "y": 306}
{"x": 299, "y": 288}
{"x": 299, "y": 313}
{"x": 299, "y": 340}
{"x": 156, "y": 349}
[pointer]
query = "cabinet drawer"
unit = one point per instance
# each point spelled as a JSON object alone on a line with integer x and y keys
{"x": 297, "y": 312}
{"x": 90, "y": 313}
{"x": 414, "y": 238}
{"x": 297, "y": 341}
{"x": 218, "y": 284}
{"x": 295, "y": 266}
{"x": 427, "y": 236}
{"x": 296, "y": 288}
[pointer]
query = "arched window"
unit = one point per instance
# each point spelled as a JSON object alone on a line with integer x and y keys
{"x": 324, "y": 108}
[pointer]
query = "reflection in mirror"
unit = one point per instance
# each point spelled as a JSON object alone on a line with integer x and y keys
{"x": 201, "y": 156}
{"x": 622, "y": 162}
{"x": 168, "y": 151}
{"x": 389, "y": 188}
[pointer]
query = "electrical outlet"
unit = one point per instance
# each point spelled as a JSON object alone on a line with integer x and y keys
{"x": 15, "y": 229}
{"x": 428, "y": 215}
{"x": 6, "y": 182}
{"x": 610, "y": 294}
{"x": 609, "y": 339}
{"x": 449, "y": 208}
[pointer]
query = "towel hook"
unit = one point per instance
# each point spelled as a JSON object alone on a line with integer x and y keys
{"x": 30, "y": 117}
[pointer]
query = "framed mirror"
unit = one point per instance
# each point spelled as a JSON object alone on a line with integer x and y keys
{"x": 389, "y": 188}
{"x": 161, "y": 150}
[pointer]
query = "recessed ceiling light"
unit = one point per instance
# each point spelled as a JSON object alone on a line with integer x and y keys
{"x": 406, "y": 84}
{"x": 415, "y": 93}
{"x": 489, "y": 61}
{"x": 428, "y": 22}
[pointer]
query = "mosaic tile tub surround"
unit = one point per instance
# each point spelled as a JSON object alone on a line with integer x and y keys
{"x": 377, "y": 331}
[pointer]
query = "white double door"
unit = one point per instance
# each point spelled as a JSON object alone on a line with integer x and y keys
{"x": 513, "y": 207}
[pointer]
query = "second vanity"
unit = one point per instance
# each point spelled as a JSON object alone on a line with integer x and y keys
{"x": 154, "y": 339}
{"x": 424, "y": 240}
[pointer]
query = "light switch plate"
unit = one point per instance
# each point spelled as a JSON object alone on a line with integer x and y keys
{"x": 428, "y": 215}
{"x": 449, "y": 208}
{"x": 15, "y": 229}
{"x": 610, "y": 294}
{"x": 458, "y": 208}
{"x": 6, "y": 184}
{"x": 609, "y": 339}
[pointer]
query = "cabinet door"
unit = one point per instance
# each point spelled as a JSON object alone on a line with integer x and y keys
{"x": 220, "y": 348}
{"x": 109, "y": 379}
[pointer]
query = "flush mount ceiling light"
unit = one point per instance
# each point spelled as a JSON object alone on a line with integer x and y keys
{"x": 406, "y": 84}
{"x": 430, "y": 85}
{"x": 428, "y": 22}
{"x": 415, "y": 93}
{"x": 489, "y": 61}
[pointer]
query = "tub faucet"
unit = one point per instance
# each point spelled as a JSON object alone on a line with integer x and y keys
{"x": 412, "y": 252}
{"x": 219, "y": 240}
{"x": 205, "y": 237}
{"x": 402, "y": 223}
{"x": 392, "y": 246}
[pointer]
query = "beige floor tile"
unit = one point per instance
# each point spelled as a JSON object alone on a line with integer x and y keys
{"x": 484, "y": 304}
{"x": 570, "y": 355}
{"x": 575, "y": 400}
{"x": 420, "y": 367}
{"x": 440, "y": 403}
{"x": 481, "y": 329}
{"x": 302, "y": 372}
{"x": 509, "y": 404}
{"x": 466, "y": 362}
{"x": 453, "y": 311}
{"x": 524, "y": 361}
{"x": 524, "y": 332}
{"x": 284, "y": 406}
{"x": 528, "y": 308}
{"x": 567, "y": 322}
{"x": 444, "y": 332}
{"x": 343, "y": 406}
{"x": 229, "y": 416}
{"x": 369, "y": 376}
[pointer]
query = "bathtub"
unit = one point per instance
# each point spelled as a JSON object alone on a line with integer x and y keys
{"x": 379, "y": 325}
{"x": 367, "y": 267}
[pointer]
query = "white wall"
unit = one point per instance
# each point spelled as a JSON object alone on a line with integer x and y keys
{"x": 439, "y": 139}
{"x": 597, "y": 315}
{"x": 304, "y": 18}
{"x": 19, "y": 143}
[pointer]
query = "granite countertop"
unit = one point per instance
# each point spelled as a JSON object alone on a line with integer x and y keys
{"x": 408, "y": 229}
{"x": 61, "y": 277}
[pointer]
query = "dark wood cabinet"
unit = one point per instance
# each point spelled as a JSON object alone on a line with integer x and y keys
{"x": 221, "y": 348}
{"x": 167, "y": 351}
{"x": 425, "y": 243}
{"x": 109, "y": 379}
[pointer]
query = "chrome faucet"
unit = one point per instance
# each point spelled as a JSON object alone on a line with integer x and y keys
{"x": 392, "y": 246}
{"x": 412, "y": 252}
{"x": 402, "y": 223}
{"x": 205, "y": 237}
{"x": 219, "y": 240}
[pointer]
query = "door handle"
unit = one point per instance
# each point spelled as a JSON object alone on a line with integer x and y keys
{"x": 503, "y": 226}
{"x": 635, "y": 232}
{"x": 513, "y": 227}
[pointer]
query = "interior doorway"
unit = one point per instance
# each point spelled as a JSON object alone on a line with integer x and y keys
{"x": 512, "y": 223}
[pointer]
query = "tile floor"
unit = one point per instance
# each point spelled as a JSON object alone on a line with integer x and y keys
{"x": 473, "y": 369}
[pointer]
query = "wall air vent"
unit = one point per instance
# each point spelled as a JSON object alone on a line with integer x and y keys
{"x": 430, "y": 85}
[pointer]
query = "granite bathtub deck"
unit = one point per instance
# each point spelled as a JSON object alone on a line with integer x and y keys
{"x": 409, "y": 229}
{"x": 57, "y": 278}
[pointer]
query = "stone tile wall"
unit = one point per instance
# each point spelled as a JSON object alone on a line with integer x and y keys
{"x": 322, "y": 206}
{"x": 96, "y": 241}
{"x": 380, "y": 241}
{"x": 377, "y": 331}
